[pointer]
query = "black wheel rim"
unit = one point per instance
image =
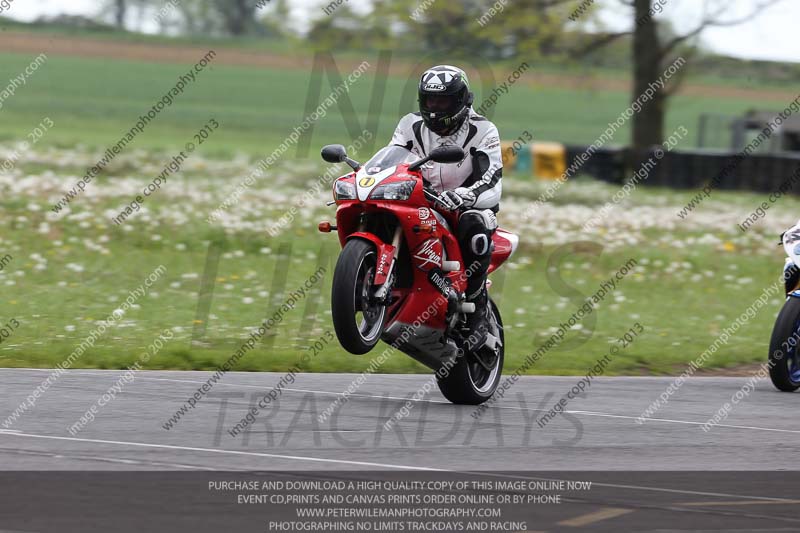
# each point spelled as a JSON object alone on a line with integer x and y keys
{"x": 483, "y": 379}
{"x": 792, "y": 363}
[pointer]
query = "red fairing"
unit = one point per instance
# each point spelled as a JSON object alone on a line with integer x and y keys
{"x": 385, "y": 254}
{"x": 503, "y": 247}
{"x": 428, "y": 255}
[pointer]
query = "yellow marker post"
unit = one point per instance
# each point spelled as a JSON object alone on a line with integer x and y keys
{"x": 549, "y": 160}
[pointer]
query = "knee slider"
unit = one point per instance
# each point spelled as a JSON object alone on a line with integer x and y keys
{"x": 479, "y": 244}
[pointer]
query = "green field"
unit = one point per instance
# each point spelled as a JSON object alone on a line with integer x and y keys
{"x": 693, "y": 277}
{"x": 94, "y": 101}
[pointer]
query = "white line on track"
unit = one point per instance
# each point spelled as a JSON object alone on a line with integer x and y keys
{"x": 689, "y": 422}
{"x": 379, "y": 465}
{"x": 441, "y": 402}
{"x": 102, "y": 459}
{"x": 220, "y": 451}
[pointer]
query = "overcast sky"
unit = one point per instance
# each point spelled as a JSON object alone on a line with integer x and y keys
{"x": 771, "y": 35}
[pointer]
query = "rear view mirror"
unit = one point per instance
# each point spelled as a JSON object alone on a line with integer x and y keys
{"x": 334, "y": 153}
{"x": 447, "y": 154}
{"x": 443, "y": 154}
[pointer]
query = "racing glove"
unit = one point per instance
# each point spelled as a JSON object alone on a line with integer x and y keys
{"x": 450, "y": 200}
{"x": 459, "y": 198}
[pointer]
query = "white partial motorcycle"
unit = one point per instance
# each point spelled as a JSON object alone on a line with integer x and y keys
{"x": 784, "y": 357}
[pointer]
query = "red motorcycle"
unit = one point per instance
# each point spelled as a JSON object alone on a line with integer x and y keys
{"x": 400, "y": 275}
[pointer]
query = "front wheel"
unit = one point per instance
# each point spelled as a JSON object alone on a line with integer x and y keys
{"x": 784, "y": 360}
{"x": 475, "y": 377}
{"x": 357, "y": 318}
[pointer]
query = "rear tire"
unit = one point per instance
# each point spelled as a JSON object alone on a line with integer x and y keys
{"x": 783, "y": 357}
{"x": 469, "y": 383}
{"x": 352, "y": 285}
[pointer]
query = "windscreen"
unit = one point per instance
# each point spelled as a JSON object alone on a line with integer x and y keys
{"x": 388, "y": 157}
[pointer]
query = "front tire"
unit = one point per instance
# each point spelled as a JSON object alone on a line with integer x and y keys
{"x": 357, "y": 319}
{"x": 468, "y": 382}
{"x": 784, "y": 356}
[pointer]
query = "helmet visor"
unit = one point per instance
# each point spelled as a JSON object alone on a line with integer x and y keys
{"x": 439, "y": 103}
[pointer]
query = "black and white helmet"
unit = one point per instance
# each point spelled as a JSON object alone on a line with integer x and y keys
{"x": 444, "y": 99}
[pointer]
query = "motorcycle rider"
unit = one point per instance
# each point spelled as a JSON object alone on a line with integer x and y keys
{"x": 471, "y": 187}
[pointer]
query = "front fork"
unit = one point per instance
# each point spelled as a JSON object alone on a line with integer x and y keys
{"x": 388, "y": 255}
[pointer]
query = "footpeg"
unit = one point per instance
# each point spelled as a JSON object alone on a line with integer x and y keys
{"x": 466, "y": 307}
{"x": 491, "y": 342}
{"x": 451, "y": 266}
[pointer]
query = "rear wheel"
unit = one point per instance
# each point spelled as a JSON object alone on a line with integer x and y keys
{"x": 357, "y": 318}
{"x": 784, "y": 358}
{"x": 475, "y": 376}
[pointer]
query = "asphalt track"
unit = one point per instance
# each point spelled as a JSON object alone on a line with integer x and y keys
{"x": 598, "y": 433}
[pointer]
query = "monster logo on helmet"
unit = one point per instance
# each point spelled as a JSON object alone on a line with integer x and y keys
{"x": 444, "y": 99}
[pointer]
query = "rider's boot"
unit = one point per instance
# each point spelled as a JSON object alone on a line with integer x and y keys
{"x": 478, "y": 322}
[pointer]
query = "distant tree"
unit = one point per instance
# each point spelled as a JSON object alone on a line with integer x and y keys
{"x": 120, "y": 9}
{"x": 528, "y": 30}
{"x": 473, "y": 28}
{"x": 654, "y": 47}
{"x": 343, "y": 29}
{"x": 238, "y": 16}
{"x": 275, "y": 20}
{"x": 142, "y": 9}
{"x": 199, "y": 17}
{"x": 114, "y": 10}
{"x": 120, "y": 12}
